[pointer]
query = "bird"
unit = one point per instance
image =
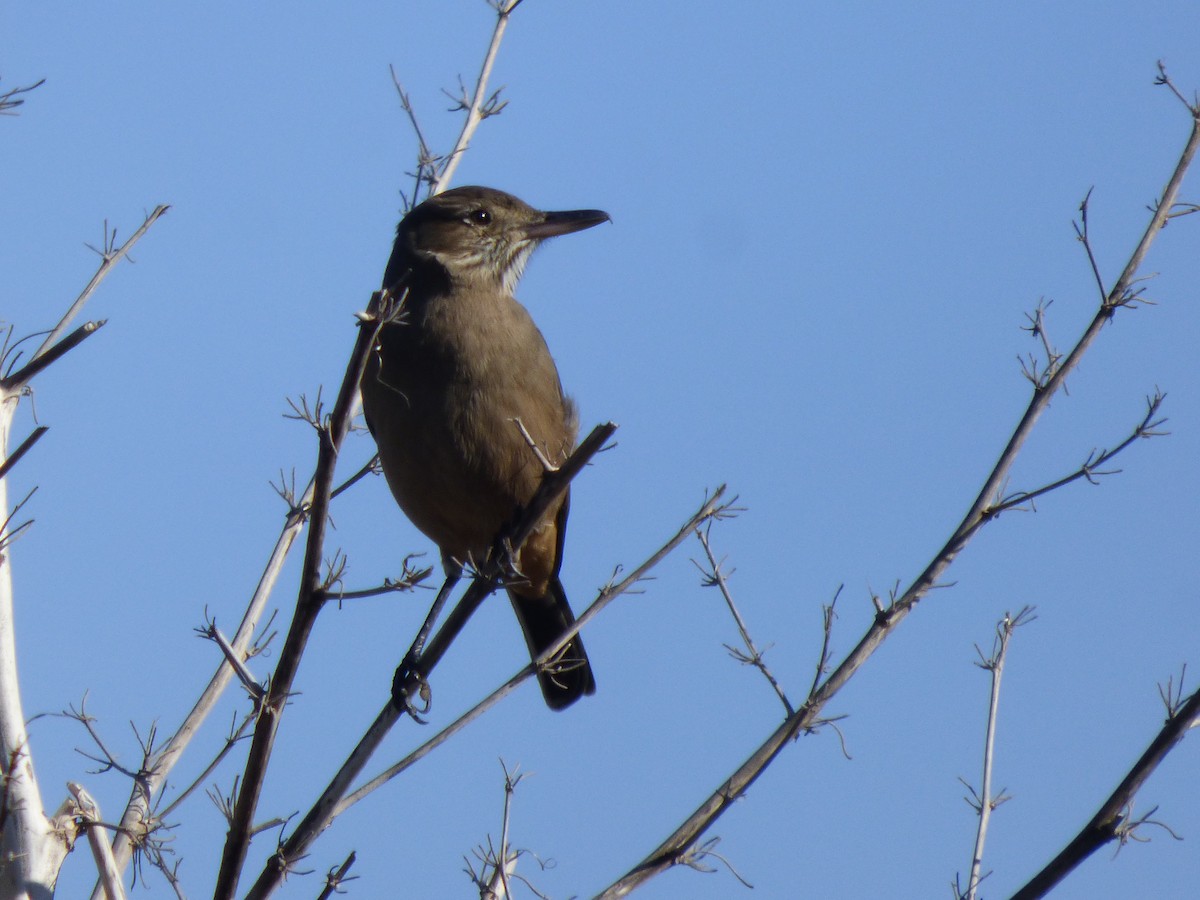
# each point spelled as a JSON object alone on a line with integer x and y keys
{"x": 459, "y": 392}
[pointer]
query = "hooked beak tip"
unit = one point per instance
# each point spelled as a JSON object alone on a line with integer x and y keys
{"x": 556, "y": 223}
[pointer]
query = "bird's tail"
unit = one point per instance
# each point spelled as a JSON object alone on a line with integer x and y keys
{"x": 543, "y": 619}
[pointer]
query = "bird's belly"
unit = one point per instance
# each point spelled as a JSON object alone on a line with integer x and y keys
{"x": 452, "y": 460}
{"x": 443, "y": 496}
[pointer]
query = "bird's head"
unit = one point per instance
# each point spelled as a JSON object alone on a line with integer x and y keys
{"x": 479, "y": 235}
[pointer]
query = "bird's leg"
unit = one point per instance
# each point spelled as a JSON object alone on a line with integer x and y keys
{"x": 408, "y": 677}
{"x": 439, "y": 601}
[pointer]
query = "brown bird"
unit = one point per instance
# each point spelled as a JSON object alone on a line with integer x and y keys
{"x": 449, "y": 390}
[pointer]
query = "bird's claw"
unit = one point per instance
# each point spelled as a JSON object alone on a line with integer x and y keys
{"x": 407, "y": 684}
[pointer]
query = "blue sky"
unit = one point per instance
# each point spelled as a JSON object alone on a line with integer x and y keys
{"x": 828, "y": 224}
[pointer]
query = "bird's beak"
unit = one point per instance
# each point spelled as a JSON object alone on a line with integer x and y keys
{"x": 556, "y": 223}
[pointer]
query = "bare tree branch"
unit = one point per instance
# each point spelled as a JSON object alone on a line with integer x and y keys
{"x": 716, "y": 576}
{"x": 24, "y": 447}
{"x": 336, "y": 878}
{"x": 101, "y": 851}
{"x": 11, "y": 98}
{"x": 308, "y": 604}
{"x": 674, "y": 849}
{"x": 33, "y": 845}
{"x": 984, "y": 800}
{"x": 1089, "y": 469}
{"x": 335, "y": 800}
{"x": 479, "y": 107}
{"x": 109, "y": 257}
{"x": 1113, "y": 821}
{"x": 24, "y": 375}
{"x": 137, "y": 811}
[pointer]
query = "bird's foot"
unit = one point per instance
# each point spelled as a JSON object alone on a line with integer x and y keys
{"x": 410, "y": 691}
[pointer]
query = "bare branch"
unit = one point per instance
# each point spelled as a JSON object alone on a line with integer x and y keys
{"x": 39, "y": 362}
{"x": 234, "y": 658}
{"x": 110, "y": 256}
{"x": 499, "y": 864}
{"x": 308, "y": 602}
{"x": 1081, "y": 232}
{"x": 1147, "y": 428}
{"x": 1112, "y": 821}
{"x": 1037, "y": 328}
{"x": 480, "y": 107}
{"x": 372, "y": 466}
{"x": 985, "y": 800}
{"x": 336, "y": 878}
{"x": 1164, "y": 79}
{"x": 10, "y": 99}
{"x": 667, "y": 854}
{"x": 107, "y": 759}
{"x": 110, "y": 877}
{"x": 427, "y": 161}
{"x": 335, "y": 800}
{"x": 235, "y": 736}
{"x": 410, "y": 579}
{"x": 715, "y": 576}
{"x": 24, "y": 447}
{"x": 9, "y": 533}
{"x": 828, "y": 617}
{"x": 137, "y": 810}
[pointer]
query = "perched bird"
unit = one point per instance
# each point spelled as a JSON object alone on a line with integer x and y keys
{"x": 455, "y": 392}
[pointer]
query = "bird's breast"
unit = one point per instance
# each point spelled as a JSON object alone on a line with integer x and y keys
{"x": 442, "y": 393}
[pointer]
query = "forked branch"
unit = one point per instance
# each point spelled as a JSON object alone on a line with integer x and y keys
{"x": 308, "y": 603}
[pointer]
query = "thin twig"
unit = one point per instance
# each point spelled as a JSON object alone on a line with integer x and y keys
{"x": 476, "y": 111}
{"x": 8, "y": 101}
{"x": 1081, "y": 232}
{"x": 1164, "y": 79}
{"x": 8, "y": 533}
{"x": 502, "y": 868}
{"x": 334, "y": 879}
{"x": 109, "y": 257}
{"x": 234, "y": 738}
{"x": 426, "y": 159}
{"x": 234, "y": 658}
{"x": 371, "y": 466}
{"x": 410, "y": 578}
{"x": 985, "y": 801}
{"x": 715, "y": 576}
{"x": 828, "y": 617}
{"x": 1090, "y": 470}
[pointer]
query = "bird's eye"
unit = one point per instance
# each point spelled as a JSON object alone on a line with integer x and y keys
{"x": 479, "y": 217}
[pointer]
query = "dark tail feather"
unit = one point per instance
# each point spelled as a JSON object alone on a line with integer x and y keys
{"x": 544, "y": 619}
